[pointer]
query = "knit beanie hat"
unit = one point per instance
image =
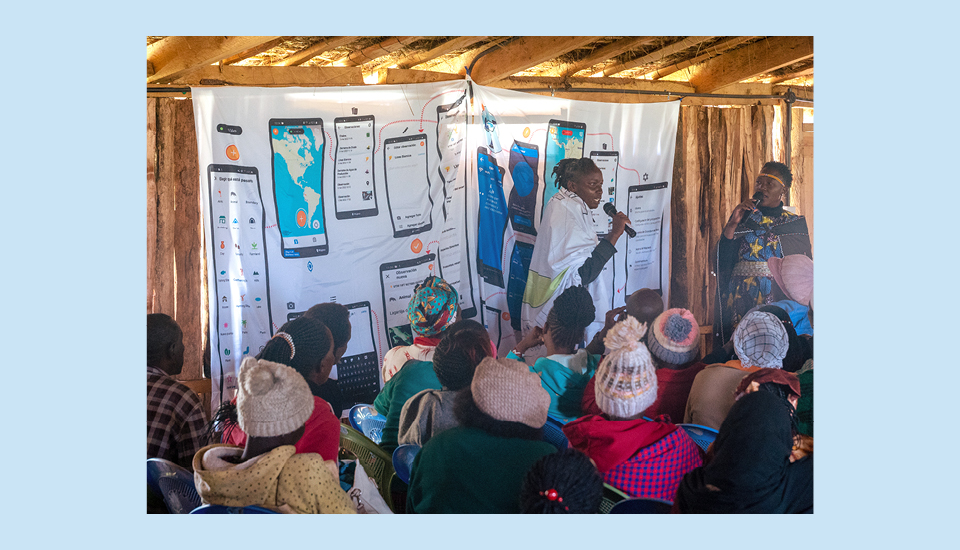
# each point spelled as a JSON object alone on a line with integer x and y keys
{"x": 506, "y": 390}
{"x": 794, "y": 276}
{"x": 761, "y": 341}
{"x": 433, "y": 306}
{"x": 626, "y": 381}
{"x": 273, "y": 399}
{"x": 674, "y": 337}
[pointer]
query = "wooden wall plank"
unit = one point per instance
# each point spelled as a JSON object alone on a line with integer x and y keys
{"x": 704, "y": 262}
{"x": 151, "y": 200}
{"x": 187, "y": 240}
{"x": 165, "y": 259}
{"x": 679, "y": 283}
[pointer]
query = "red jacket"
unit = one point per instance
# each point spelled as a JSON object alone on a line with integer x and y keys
{"x": 321, "y": 432}
{"x": 673, "y": 387}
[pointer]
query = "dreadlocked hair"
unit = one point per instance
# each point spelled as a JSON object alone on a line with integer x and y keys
{"x": 572, "y": 170}
{"x": 469, "y": 415}
{"x": 336, "y": 317}
{"x": 781, "y": 170}
{"x": 464, "y": 344}
{"x": 567, "y": 474}
{"x": 570, "y": 315}
{"x": 311, "y": 343}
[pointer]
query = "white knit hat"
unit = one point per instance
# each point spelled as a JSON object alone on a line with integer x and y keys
{"x": 626, "y": 382}
{"x": 761, "y": 341}
{"x": 273, "y": 399}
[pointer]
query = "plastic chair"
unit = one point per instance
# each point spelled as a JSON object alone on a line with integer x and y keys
{"x": 174, "y": 483}
{"x": 403, "y": 460}
{"x": 375, "y": 461}
{"x": 366, "y": 420}
{"x": 703, "y": 436}
{"x": 611, "y": 496}
{"x": 642, "y": 506}
{"x": 218, "y": 509}
{"x": 553, "y": 433}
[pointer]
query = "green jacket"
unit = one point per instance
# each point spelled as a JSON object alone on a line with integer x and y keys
{"x": 414, "y": 377}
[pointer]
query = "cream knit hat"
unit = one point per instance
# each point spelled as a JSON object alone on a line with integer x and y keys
{"x": 626, "y": 382}
{"x": 506, "y": 390}
{"x": 273, "y": 399}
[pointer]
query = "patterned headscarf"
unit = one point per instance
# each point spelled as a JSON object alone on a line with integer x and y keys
{"x": 433, "y": 306}
{"x": 761, "y": 341}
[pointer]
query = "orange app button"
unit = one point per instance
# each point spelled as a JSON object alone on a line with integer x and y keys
{"x": 301, "y": 218}
{"x": 526, "y": 132}
{"x": 430, "y": 267}
{"x": 421, "y": 144}
{"x": 416, "y": 246}
{"x": 275, "y": 131}
{"x": 232, "y": 152}
{"x": 505, "y": 315}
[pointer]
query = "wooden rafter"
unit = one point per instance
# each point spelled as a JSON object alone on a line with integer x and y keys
{"x": 381, "y": 49}
{"x": 609, "y": 51}
{"x": 661, "y": 53}
{"x": 712, "y": 51}
{"x": 270, "y": 44}
{"x": 313, "y": 50}
{"x": 790, "y": 76}
{"x": 753, "y": 59}
{"x": 457, "y": 64}
{"x": 459, "y": 43}
{"x": 175, "y": 56}
{"x": 524, "y": 53}
{"x": 236, "y": 75}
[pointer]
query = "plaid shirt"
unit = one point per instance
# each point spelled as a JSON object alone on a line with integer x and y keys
{"x": 656, "y": 471}
{"x": 176, "y": 428}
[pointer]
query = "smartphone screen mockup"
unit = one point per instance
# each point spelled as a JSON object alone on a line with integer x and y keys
{"x": 227, "y": 144}
{"x": 564, "y": 141}
{"x": 607, "y": 162}
{"x": 397, "y": 283}
{"x": 298, "y": 147}
{"x": 405, "y": 167}
{"x": 242, "y": 313}
{"x": 644, "y": 256}
{"x": 492, "y": 218}
{"x": 522, "y": 203}
{"x": 358, "y": 371}
{"x": 517, "y": 281}
{"x": 354, "y": 194}
{"x": 451, "y": 129}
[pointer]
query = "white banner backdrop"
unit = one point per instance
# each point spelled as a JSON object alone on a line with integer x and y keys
{"x": 356, "y": 194}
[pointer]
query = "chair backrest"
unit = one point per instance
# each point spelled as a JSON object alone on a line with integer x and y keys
{"x": 403, "y": 460}
{"x": 703, "y": 436}
{"x": 553, "y": 433}
{"x": 375, "y": 461}
{"x": 366, "y": 420}
{"x": 611, "y": 496}
{"x": 642, "y": 506}
{"x": 174, "y": 483}
{"x": 218, "y": 509}
{"x": 203, "y": 387}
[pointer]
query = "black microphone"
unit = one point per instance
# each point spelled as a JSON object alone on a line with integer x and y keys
{"x": 611, "y": 210}
{"x": 757, "y": 197}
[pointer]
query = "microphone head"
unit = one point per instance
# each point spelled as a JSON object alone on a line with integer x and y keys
{"x": 609, "y": 209}
{"x": 758, "y": 196}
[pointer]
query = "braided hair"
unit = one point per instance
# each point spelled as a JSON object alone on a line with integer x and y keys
{"x": 568, "y": 475}
{"x": 311, "y": 343}
{"x": 572, "y": 169}
{"x": 570, "y": 315}
{"x": 781, "y": 170}
{"x": 336, "y": 317}
{"x": 464, "y": 344}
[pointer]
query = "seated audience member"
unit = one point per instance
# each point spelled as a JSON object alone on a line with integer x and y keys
{"x": 786, "y": 386}
{"x": 751, "y": 471}
{"x": 565, "y": 371}
{"x": 760, "y": 341}
{"x": 478, "y": 467}
{"x": 455, "y": 359}
{"x": 566, "y": 482}
{"x": 799, "y": 348}
{"x": 176, "y": 427}
{"x": 644, "y": 305}
{"x": 641, "y": 458}
{"x": 674, "y": 342}
{"x": 335, "y": 317}
{"x": 805, "y": 404}
{"x": 273, "y": 404}
{"x": 305, "y": 345}
{"x": 794, "y": 277}
{"x": 434, "y": 306}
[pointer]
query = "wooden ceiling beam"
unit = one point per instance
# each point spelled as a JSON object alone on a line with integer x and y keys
{"x": 790, "y": 76}
{"x": 563, "y": 84}
{"x": 526, "y": 52}
{"x": 458, "y": 64}
{"x": 175, "y": 56}
{"x": 234, "y": 75}
{"x": 712, "y": 51}
{"x": 458, "y": 43}
{"x": 751, "y": 60}
{"x": 609, "y": 51}
{"x": 413, "y": 76}
{"x": 371, "y": 53}
{"x": 315, "y": 49}
{"x": 257, "y": 50}
{"x": 661, "y": 53}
